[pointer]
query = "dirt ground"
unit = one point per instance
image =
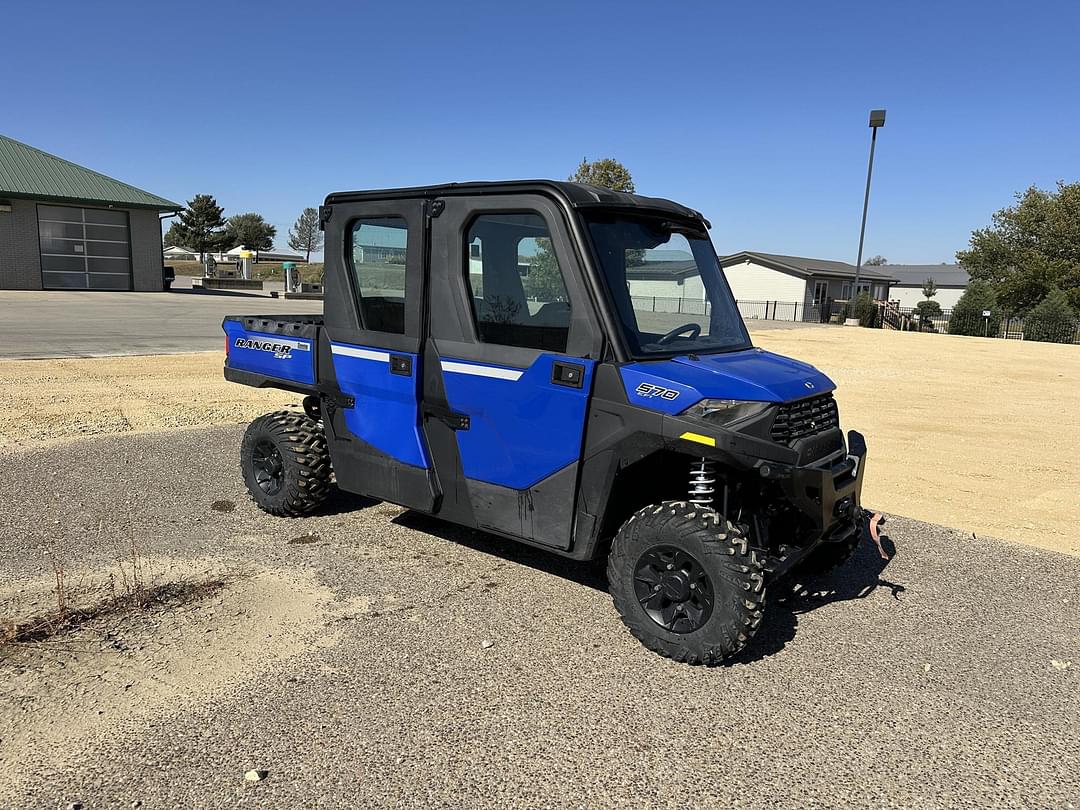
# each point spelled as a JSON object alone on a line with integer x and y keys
{"x": 975, "y": 434}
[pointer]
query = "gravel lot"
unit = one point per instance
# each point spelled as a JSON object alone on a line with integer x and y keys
{"x": 352, "y": 667}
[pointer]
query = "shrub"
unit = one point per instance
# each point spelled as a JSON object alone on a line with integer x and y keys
{"x": 926, "y": 311}
{"x": 967, "y": 315}
{"x": 1052, "y": 320}
{"x": 864, "y": 309}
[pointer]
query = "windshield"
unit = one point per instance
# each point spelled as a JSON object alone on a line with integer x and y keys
{"x": 665, "y": 283}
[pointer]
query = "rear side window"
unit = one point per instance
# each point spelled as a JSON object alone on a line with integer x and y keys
{"x": 378, "y": 249}
{"x": 518, "y": 294}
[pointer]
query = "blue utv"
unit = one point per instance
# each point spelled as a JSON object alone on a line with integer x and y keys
{"x": 492, "y": 354}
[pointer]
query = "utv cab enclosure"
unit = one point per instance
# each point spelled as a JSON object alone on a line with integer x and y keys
{"x": 483, "y": 356}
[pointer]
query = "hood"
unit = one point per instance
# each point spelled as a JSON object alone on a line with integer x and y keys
{"x": 674, "y": 385}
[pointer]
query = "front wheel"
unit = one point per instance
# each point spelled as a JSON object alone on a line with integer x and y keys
{"x": 286, "y": 463}
{"x": 686, "y": 582}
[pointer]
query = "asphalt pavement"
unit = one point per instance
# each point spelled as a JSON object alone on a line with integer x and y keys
{"x": 94, "y": 324}
{"x": 454, "y": 669}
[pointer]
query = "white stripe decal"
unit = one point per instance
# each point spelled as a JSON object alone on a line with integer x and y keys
{"x": 482, "y": 371}
{"x": 365, "y": 354}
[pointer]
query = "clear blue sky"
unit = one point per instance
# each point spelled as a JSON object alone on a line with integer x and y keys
{"x": 753, "y": 113}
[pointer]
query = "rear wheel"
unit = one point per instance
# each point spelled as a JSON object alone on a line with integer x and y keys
{"x": 686, "y": 582}
{"x": 286, "y": 463}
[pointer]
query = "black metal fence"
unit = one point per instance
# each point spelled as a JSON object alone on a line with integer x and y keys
{"x": 750, "y": 310}
{"x": 996, "y": 324}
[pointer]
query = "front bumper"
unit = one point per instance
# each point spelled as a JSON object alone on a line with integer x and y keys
{"x": 831, "y": 492}
{"x": 828, "y": 490}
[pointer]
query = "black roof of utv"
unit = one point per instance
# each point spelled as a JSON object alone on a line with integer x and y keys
{"x": 576, "y": 195}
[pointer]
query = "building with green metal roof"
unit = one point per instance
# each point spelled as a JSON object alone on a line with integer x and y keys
{"x": 66, "y": 227}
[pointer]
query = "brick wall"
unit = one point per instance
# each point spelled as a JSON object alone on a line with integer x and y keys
{"x": 20, "y": 258}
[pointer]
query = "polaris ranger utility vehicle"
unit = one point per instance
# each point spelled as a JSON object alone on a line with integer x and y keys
{"x": 482, "y": 357}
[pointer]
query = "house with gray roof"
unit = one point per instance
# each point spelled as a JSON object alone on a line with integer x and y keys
{"x": 951, "y": 281}
{"x": 66, "y": 227}
{"x": 756, "y": 276}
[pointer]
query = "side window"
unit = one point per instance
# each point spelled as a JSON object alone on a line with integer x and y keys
{"x": 378, "y": 248}
{"x": 515, "y": 282}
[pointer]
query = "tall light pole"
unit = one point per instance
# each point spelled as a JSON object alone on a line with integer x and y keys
{"x": 877, "y": 119}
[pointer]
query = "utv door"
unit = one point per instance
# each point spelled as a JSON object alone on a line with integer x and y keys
{"x": 370, "y": 364}
{"x": 508, "y": 367}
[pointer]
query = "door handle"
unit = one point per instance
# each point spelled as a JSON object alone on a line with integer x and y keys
{"x": 572, "y": 375}
{"x": 401, "y": 364}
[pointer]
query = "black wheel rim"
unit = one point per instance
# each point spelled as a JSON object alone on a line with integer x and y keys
{"x": 268, "y": 467}
{"x": 673, "y": 589}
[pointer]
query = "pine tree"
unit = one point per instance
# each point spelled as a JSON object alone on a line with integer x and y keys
{"x": 967, "y": 316}
{"x": 1052, "y": 320}
{"x": 305, "y": 234}
{"x": 201, "y": 225}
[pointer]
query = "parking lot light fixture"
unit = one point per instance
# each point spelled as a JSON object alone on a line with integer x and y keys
{"x": 877, "y": 119}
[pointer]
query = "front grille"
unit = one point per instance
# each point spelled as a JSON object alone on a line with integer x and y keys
{"x": 807, "y": 417}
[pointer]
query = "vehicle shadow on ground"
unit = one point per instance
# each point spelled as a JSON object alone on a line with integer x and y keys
{"x": 856, "y": 579}
{"x": 588, "y": 573}
{"x": 789, "y": 598}
{"x": 340, "y": 502}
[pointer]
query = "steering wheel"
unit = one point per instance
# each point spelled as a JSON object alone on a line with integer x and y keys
{"x": 693, "y": 328}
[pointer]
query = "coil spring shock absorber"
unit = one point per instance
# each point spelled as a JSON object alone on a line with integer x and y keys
{"x": 702, "y": 482}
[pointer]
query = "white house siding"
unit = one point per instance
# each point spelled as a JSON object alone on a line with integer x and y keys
{"x": 909, "y": 297}
{"x": 754, "y": 282}
{"x": 691, "y": 287}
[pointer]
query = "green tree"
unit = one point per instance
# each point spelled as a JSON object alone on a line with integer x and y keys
{"x": 249, "y": 230}
{"x": 201, "y": 225}
{"x": 605, "y": 173}
{"x": 875, "y": 261}
{"x": 1052, "y": 320}
{"x": 174, "y": 236}
{"x": 544, "y": 282}
{"x": 305, "y": 234}
{"x": 967, "y": 316}
{"x": 1030, "y": 248}
{"x": 929, "y": 288}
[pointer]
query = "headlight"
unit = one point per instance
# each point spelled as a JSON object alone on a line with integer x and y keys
{"x": 725, "y": 411}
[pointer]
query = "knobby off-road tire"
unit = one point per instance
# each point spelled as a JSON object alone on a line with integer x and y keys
{"x": 647, "y": 556}
{"x": 286, "y": 463}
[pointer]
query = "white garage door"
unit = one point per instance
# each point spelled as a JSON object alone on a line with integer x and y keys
{"x": 84, "y": 248}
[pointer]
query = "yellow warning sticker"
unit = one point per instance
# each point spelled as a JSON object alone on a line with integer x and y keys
{"x": 697, "y": 437}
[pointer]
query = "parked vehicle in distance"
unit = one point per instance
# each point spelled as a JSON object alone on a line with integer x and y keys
{"x": 480, "y": 358}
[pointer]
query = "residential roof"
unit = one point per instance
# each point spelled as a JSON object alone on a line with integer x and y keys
{"x": 29, "y": 173}
{"x": 804, "y": 266}
{"x": 662, "y": 270}
{"x": 944, "y": 275}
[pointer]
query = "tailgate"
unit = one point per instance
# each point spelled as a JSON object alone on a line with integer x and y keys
{"x": 280, "y": 348}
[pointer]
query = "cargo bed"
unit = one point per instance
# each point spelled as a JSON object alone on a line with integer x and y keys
{"x": 273, "y": 352}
